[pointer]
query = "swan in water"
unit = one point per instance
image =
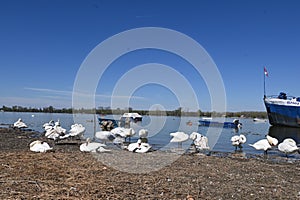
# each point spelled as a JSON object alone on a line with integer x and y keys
{"x": 139, "y": 147}
{"x": 288, "y": 146}
{"x": 39, "y": 146}
{"x": 238, "y": 140}
{"x": 179, "y": 137}
{"x": 200, "y": 141}
{"x": 265, "y": 144}
{"x": 90, "y": 146}
{"x": 19, "y": 124}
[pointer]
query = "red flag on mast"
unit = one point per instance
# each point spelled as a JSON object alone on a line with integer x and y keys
{"x": 266, "y": 72}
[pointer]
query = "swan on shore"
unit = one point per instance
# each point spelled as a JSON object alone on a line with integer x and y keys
{"x": 288, "y": 146}
{"x": 123, "y": 132}
{"x": 139, "y": 147}
{"x": 39, "y": 146}
{"x": 19, "y": 124}
{"x": 265, "y": 144}
{"x": 54, "y": 130}
{"x": 200, "y": 141}
{"x": 59, "y": 129}
{"x": 238, "y": 140}
{"x": 76, "y": 130}
{"x": 48, "y": 125}
{"x": 90, "y": 146}
{"x": 105, "y": 136}
{"x": 273, "y": 141}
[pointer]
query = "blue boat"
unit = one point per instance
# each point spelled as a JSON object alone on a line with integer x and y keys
{"x": 283, "y": 110}
{"x": 235, "y": 124}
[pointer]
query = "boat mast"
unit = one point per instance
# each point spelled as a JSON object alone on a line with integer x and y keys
{"x": 264, "y": 86}
{"x": 265, "y": 74}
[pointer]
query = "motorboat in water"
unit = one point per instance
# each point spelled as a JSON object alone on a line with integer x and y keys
{"x": 258, "y": 120}
{"x": 136, "y": 117}
{"x": 234, "y": 124}
{"x": 283, "y": 110}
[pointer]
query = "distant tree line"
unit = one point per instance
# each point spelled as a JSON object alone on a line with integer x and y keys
{"x": 49, "y": 109}
{"x": 108, "y": 111}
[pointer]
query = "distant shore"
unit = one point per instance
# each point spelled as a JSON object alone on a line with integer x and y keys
{"x": 68, "y": 173}
{"x": 108, "y": 111}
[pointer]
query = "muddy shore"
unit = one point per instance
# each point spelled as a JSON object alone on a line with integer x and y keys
{"x": 67, "y": 173}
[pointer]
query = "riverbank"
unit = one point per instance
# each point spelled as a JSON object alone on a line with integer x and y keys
{"x": 67, "y": 173}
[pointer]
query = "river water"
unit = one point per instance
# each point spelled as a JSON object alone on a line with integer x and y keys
{"x": 160, "y": 127}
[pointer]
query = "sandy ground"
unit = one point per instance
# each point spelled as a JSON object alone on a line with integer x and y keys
{"x": 67, "y": 173}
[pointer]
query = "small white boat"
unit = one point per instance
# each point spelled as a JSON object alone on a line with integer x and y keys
{"x": 207, "y": 118}
{"x": 133, "y": 116}
{"x": 258, "y": 120}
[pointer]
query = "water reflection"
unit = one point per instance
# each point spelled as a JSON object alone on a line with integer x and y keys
{"x": 281, "y": 133}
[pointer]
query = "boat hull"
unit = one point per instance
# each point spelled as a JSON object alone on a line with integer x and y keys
{"x": 283, "y": 115}
{"x": 136, "y": 119}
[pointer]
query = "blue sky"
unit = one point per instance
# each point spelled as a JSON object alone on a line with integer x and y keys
{"x": 43, "y": 44}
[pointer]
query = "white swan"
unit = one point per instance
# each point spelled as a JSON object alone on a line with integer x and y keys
{"x": 105, "y": 136}
{"x": 76, "y": 130}
{"x": 19, "y": 124}
{"x": 238, "y": 140}
{"x": 265, "y": 144}
{"x": 52, "y": 134}
{"x": 89, "y": 146}
{"x": 273, "y": 141}
{"x": 123, "y": 132}
{"x": 143, "y": 133}
{"x": 262, "y": 145}
{"x": 179, "y": 137}
{"x": 39, "y": 146}
{"x": 59, "y": 129}
{"x": 200, "y": 141}
{"x": 48, "y": 125}
{"x": 139, "y": 147}
{"x": 288, "y": 146}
